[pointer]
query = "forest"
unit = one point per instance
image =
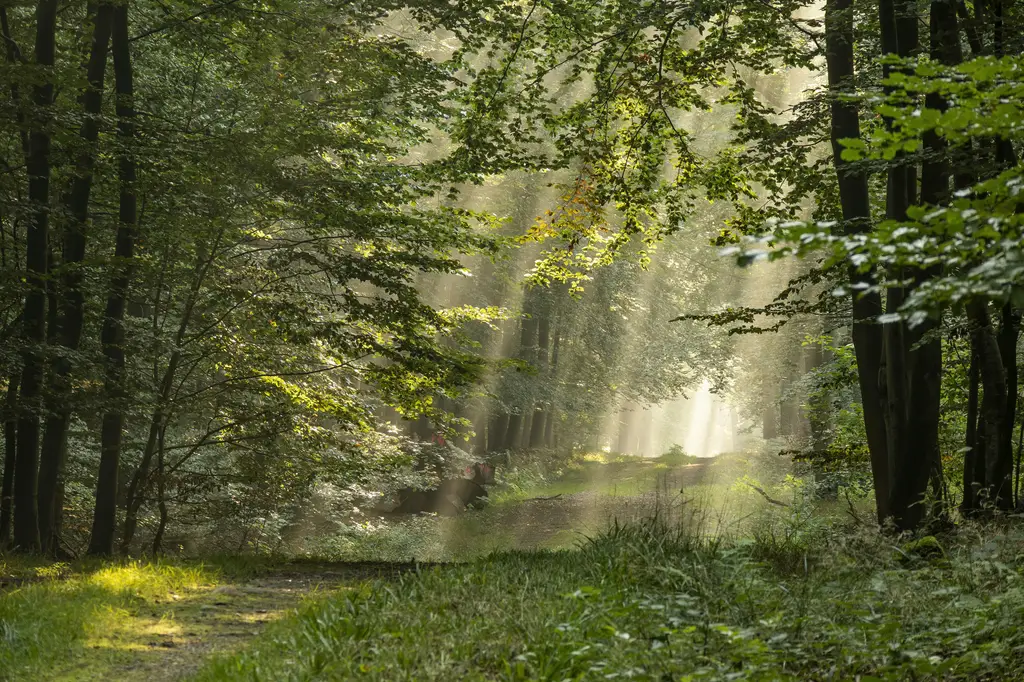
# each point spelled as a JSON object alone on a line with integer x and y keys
{"x": 511, "y": 339}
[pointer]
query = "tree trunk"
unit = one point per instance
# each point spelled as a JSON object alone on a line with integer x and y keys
{"x": 920, "y": 457}
{"x": 161, "y": 494}
{"x": 497, "y": 428}
{"x": 26, "y": 521}
{"x": 856, "y": 208}
{"x": 72, "y": 304}
{"x": 512, "y": 432}
{"x": 998, "y": 468}
{"x": 972, "y": 484}
{"x": 104, "y": 526}
{"x": 538, "y": 425}
{"x": 10, "y": 454}
{"x": 1009, "y": 331}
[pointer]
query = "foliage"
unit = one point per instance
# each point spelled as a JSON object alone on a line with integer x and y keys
{"x": 976, "y": 238}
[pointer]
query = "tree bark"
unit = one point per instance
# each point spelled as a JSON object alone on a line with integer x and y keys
{"x": 998, "y": 469}
{"x": 71, "y": 309}
{"x": 10, "y": 454}
{"x": 856, "y": 208}
{"x": 924, "y": 357}
{"x": 971, "y": 483}
{"x": 26, "y": 521}
{"x": 497, "y": 427}
{"x": 512, "y": 433}
{"x": 1009, "y": 332}
{"x": 112, "y": 334}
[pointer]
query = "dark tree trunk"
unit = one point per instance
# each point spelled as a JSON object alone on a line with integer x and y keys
{"x": 856, "y": 207}
{"x": 497, "y": 428}
{"x": 920, "y": 458}
{"x": 972, "y": 483}
{"x": 513, "y": 430}
{"x": 1009, "y": 331}
{"x": 26, "y": 521}
{"x": 161, "y": 494}
{"x": 10, "y": 454}
{"x": 72, "y": 304}
{"x": 898, "y": 22}
{"x": 112, "y": 334}
{"x": 998, "y": 468}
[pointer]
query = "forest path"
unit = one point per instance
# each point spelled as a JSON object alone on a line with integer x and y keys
{"x": 170, "y": 637}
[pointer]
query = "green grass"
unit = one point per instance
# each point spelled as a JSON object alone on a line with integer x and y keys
{"x": 800, "y": 599}
{"x": 92, "y": 619}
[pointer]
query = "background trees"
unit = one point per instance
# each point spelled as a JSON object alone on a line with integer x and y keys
{"x": 235, "y": 239}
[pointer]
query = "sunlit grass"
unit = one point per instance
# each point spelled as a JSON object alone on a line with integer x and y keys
{"x": 71, "y": 608}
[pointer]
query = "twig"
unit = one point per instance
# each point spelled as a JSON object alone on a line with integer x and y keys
{"x": 767, "y": 497}
{"x": 553, "y": 497}
{"x": 850, "y": 510}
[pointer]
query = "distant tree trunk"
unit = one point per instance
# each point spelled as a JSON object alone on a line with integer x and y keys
{"x": 626, "y": 442}
{"x": 769, "y": 421}
{"x": 10, "y": 455}
{"x": 538, "y": 425}
{"x": 549, "y": 424}
{"x": 112, "y": 338}
{"x": 644, "y": 438}
{"x": 72, "y": 303}
{"x": 497, "y": 428}
{"x": 856, "y": 208}
{"x": 513, "y": 431}
{"x": 161, "y": 493}
{"x": 26, "y": 520}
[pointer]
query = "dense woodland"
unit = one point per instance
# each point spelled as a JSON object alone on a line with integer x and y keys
{"x": 252, "y": 248}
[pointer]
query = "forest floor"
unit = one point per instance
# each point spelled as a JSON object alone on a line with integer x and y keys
{"x": 162, "y": 621}
{"x": 706, "y": 573}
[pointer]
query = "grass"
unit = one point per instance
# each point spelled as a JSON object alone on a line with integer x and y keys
{"x": 711, "y": 584}
{"x": 98, "y": 620}
{"x": 657, "y": 600}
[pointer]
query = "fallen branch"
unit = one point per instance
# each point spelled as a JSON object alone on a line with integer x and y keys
{"x": 533, "y": 499}
{"x": 767, "y": 497}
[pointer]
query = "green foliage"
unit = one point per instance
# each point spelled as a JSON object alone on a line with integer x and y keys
{"x": 676, "y": 456}
{"x": 976, "y": 237}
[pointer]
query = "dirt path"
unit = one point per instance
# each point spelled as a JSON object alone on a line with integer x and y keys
{"x": 168, "y": 639}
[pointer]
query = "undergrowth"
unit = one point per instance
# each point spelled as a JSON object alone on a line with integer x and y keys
{"x": 656, "y": 601}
